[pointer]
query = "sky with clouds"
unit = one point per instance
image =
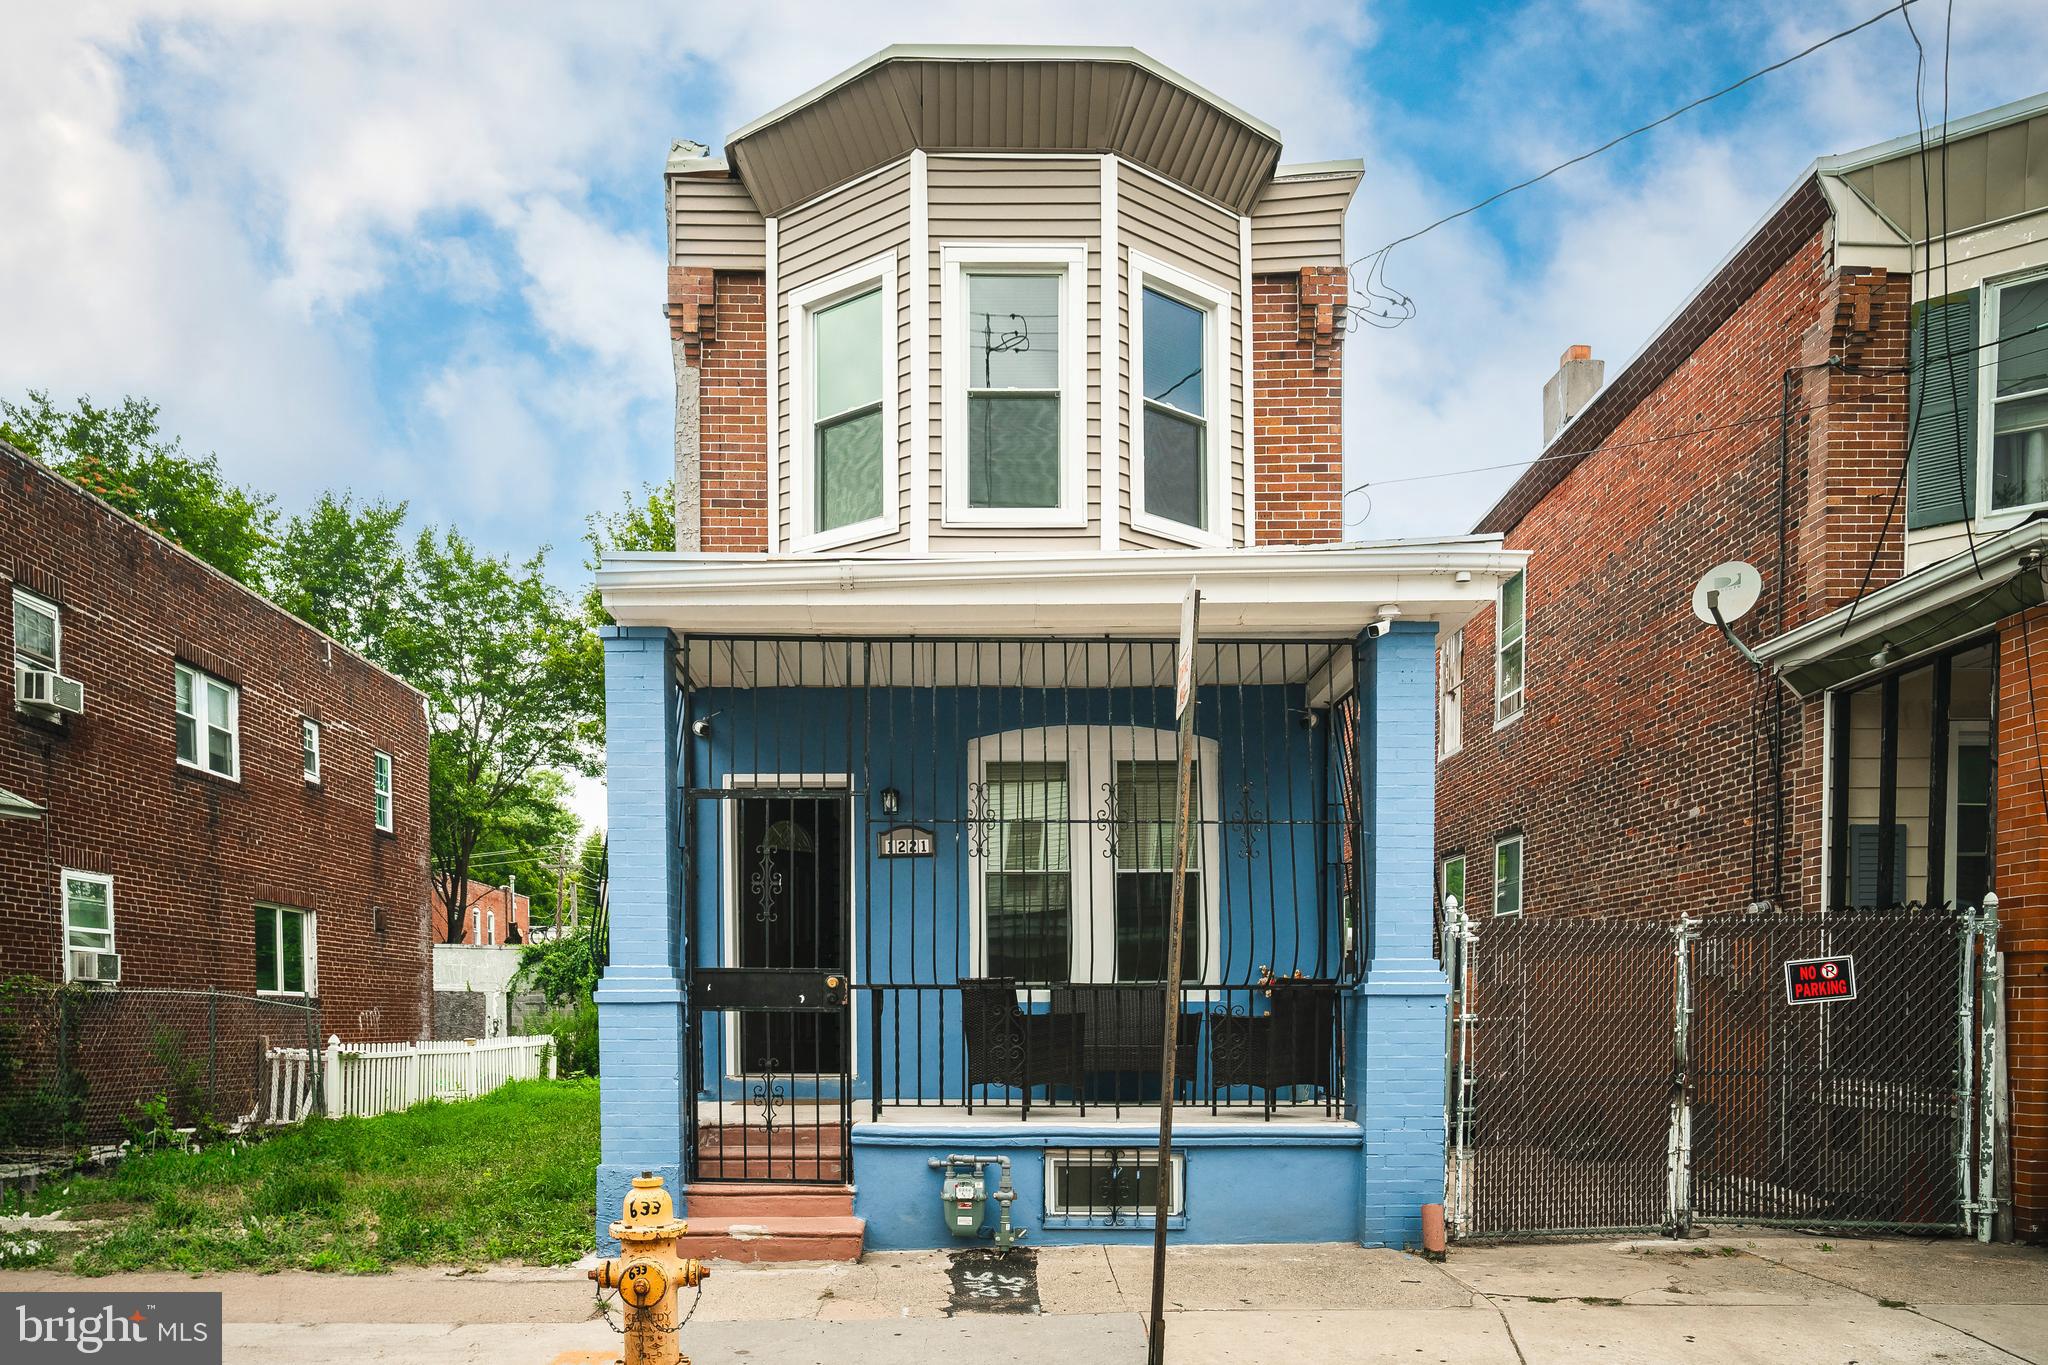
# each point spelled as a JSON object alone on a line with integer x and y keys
{"x": 413, "y": 247}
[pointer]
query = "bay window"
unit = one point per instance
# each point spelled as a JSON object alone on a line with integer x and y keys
{"x": 1015, "y": 345}
{"x": 843, "y": 372}
{"x": 1180, "y": 431}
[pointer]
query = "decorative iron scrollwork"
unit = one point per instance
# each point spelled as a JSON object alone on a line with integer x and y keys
{"x": 1106, "y": 820}
{"x": 766, "y": 884}
{"x": 980, "y": 817}
{"x": 1249, "y": 817}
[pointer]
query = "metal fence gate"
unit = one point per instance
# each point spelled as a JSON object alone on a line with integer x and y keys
{"x": 1632, "y": 1076}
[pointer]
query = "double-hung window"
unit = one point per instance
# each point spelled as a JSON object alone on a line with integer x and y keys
{"x": 1071, "y": 840}
{"x": 381, "y": 773}
{"x": 2016, "y": 374}
{"x": 1507, "y": 876}
{"x": 1146, "y": 796}
{"x": 209, "y": 723}
{"x": 1181, "y": 433}
{"x": 88, "y": 914}
{"x": 284, "y": 951}
{"x": 844, "y": 382}
{"x": 38, "y": 632}
{"x": 1454, "y": 880}
{"x": 1450, "y": 694}
{"x": 309, "y": 748}
{"x": 1014, "y": 340}
{"x": 1511, "y": 622}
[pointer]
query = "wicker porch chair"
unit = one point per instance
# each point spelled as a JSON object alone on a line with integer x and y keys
{"x": 1121, "y": 1027}
{"x": 1293, "y": 1044}
{"x": 1009, "y": 1046}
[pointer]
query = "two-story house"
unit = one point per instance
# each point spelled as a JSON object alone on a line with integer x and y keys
{"x": 1855, "y": 403}
{"x": 225, "y": 839}
{"x": 984, "y": 357}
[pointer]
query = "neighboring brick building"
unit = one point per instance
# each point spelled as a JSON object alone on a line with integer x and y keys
{"x": 1607, "y": 753}
{"x": 241, "y": 804}
{"x": 496, "y": 915}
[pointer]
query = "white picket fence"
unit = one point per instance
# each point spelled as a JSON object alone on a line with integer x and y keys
{"x": 359, "y": 1080}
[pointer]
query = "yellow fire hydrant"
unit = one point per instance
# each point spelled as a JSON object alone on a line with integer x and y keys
{"x": 649, "y": 1271}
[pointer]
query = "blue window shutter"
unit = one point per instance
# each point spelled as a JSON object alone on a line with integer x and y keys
{"x": 1941, "y": 411}
{"x": 1863, "y": 866}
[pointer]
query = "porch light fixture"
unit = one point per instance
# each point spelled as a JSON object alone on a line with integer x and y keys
{"x": 892, "y": 800}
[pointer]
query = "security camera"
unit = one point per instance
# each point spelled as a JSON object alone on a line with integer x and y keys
{"x": 1378, "y": 628}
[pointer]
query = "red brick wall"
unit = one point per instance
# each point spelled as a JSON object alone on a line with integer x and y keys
{"x": 722, "y": 321}
{"x": 1298, "y": 405}
{"x": 191, "y": 853}
{"x": 2021, "y": 879}
{"x": 1643, "y": 737}
{"x": 488, "y": 921}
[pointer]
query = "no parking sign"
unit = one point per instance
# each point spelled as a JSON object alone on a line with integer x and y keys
{"x": 1820, "y": 980}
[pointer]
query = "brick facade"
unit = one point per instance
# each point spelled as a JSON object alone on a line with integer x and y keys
{"x": 2020, "y": 876}
{"x": 192, "y": 854}
{"x": 494, "y": 914}
{"x": 1298, "y": 404}
{"x": 721, "y": 319}
{"x": 718, "y": 318}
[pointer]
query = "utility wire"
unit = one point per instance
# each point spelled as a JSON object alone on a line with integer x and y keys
{"x": 1638, "y": 132}
{"x": 1771, "y": 416}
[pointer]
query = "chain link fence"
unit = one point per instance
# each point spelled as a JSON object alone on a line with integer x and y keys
{"x": 1629, "y": 1076}
{"x": 84, "y": 1070}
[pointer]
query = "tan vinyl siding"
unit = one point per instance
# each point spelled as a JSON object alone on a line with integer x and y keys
{"x": 840, "y": 230}
{"x": 1991, "y": 175}
{"x": 989, "y": 199}
{"x": 715, "y": 225}
{"x": 1183, "y": 231}
{"x": 1300, "y": 221}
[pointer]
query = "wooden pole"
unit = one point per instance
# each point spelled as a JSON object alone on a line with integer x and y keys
{"x": 1184, "y": 715}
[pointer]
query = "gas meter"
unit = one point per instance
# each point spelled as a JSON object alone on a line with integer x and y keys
{"x": 964, "y": 1196}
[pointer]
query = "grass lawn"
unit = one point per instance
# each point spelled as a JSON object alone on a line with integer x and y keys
{"x": 505, "y": 1177}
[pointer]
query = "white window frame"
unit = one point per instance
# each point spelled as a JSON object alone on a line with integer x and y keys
{"x": 1500, "y": 595}
{"x": 383, "y": 790}
{"x": 1987, "y": 394}
{"x": 36, "y": 602}
{"x": 1443, "y": 881}
{"x": 201, "y": 722}
{"x": 309, "y": 938}
{"x": 309, "y": 730}
{"x": 1070, "y": 262}
{"x": 878, "y": 272}
{"x": 1450, "y": 691}
{"x": 1519, "y": 844}
{"x": 64, "y": 879}
{"x": 1177, "y": 1198}
{"x": 1091, "y": 753}
{"x": 1215, "y": 305}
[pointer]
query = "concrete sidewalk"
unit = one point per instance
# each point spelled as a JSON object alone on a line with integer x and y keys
{"x": 1763, "y": 1297}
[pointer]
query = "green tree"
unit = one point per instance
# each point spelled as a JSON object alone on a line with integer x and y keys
{"x": 643, "y": 522}
{"x": 507, "y": 666}
{"x": 529, "y": 842}
{"x": 122, "y": 455}
{"x": 342, "y": 568}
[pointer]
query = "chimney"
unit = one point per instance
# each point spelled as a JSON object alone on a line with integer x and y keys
{"x": 1565, "y": 396}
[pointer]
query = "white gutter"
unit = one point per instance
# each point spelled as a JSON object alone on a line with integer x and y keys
{"x": 1918, "y": 594}
{"x": 1273, "y": 590}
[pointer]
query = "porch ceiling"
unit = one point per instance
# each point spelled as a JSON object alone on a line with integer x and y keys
{"x": 1268, "y": 593}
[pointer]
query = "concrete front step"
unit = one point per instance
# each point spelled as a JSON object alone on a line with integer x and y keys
{"x": 753, "y": 1238}
{"x": 740, "y": 1200}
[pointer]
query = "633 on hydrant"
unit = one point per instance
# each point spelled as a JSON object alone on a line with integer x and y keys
{"x": 649, "y": 1272}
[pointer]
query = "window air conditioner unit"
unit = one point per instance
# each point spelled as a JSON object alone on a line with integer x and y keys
{"x": 44, "y": 689}
{"x": 92, "y": 964}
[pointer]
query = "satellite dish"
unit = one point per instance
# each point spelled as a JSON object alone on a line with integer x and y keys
{"x": 1738, "y": 585}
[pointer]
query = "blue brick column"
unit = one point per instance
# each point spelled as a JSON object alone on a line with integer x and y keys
{"x": 640, "y": 1000}
{"x": 1397, "y": 1031}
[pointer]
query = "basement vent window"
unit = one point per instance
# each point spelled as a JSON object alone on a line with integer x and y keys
{"x": 1111, "y": 1187}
